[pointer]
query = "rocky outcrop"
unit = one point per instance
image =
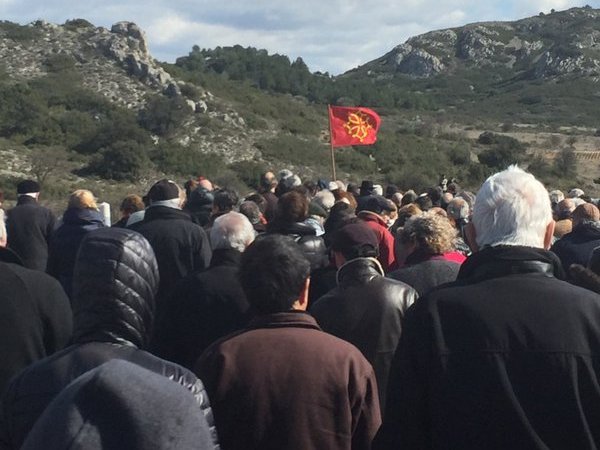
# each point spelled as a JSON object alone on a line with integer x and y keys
{"x": 552, "y": 45}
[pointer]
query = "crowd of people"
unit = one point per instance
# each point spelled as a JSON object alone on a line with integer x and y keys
{"x": 305, "y": 315}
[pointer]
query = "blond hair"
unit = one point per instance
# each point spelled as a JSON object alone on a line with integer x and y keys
{"x": 82, "y": 199}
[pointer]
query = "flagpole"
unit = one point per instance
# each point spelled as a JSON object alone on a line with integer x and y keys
{"x": 331, "y": 143}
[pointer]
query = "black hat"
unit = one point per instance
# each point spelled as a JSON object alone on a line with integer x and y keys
{"x": 378, "y": 204}
{"x": 28, "y": 187}
{"x": 355, "y": 240}
{"x": 163, "y": 190}
{"x": 366, "y": 187}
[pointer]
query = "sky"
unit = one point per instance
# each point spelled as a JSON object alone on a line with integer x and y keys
{"x": 330, "y": 35}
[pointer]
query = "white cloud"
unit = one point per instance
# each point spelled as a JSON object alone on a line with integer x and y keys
{"x": 331, "y": 35}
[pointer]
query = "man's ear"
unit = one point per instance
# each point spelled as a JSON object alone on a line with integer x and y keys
{"x": 549, "y": 234}
{"x": 302, "y": 303}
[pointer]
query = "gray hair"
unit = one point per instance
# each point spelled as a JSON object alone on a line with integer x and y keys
{"x": 325, "y": 199}
{"x": 512, "y": 208}
{"x": 231, "y": 231}
{"x": 251, "y": 211}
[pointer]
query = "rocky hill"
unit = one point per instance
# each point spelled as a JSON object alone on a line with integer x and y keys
{"x": 117, "y": 65}
{"x": 95, "y": 101}
{"x": 546, "y": 46}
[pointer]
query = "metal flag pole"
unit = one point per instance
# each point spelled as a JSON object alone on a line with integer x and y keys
{"x": 331, "y": 143}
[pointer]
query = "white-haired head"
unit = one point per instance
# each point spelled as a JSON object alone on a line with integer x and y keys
{"x": 512, "y": 208}
{"x": 231, "y": 231}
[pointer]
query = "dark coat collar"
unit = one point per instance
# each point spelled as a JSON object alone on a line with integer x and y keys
{"x": 83, "y": 216}
{"x": 225, "y": 257}
{"x": 164, "y": 212}
{"x": 492, "y": 262}
{"x": 358, "y": 271}
{"x": 26, "y": 200}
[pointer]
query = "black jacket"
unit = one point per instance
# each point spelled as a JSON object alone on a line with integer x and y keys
{"x": 366, "y": 309}
{"x": 65, "y": 242}
{"x": 577, "y": 246}
{"x": 28, "y": 228}
{"x": 35, "y": 317}
{"x": 114, "y": 285}
{"x": 312, "y": 245}
{"x": 506, "y": 357}
{"x": 180, "y": 246}
{"x": 206, "y": 306}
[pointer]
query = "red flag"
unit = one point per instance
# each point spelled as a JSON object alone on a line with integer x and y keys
{"x": 353, "y": 126}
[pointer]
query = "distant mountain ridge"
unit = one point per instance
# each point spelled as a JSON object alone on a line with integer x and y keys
{"x": 549, "y": 45}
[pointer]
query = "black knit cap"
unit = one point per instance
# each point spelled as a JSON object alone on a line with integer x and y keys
{"x": 163, "y": 190}
{"x": 355, "y": 240}
{"x": 28, "y": 187}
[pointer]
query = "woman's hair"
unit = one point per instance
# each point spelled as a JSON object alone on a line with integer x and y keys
{"x": 82, "y": 199}
{"x": 431, "y": 232}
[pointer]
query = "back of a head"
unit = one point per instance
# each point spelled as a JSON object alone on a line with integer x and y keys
{"x": 272, "y": 273}
{"x": 585, "y": 213}
{"x": 251, "y": 211}
{"x": 379, "y": 205}
{"x": 409, "y": 197}
{"x": 292, "y": 207}
{"x": 231, "y": 231}
{"x": 132, "y": 203}
{"x": 225, "y": 199}
{"x": 82, "y": 199}
{"x": 166, "y": 193}
{"x": 120, "y": 405}
{"x": 432, "y": 233}
{"x": 512, "y": 208}
{"x": 325, "y": 199}
{"x": 28, "y": 187}
{"x": 355, "y": 240}
{"x": 115, "y": 281}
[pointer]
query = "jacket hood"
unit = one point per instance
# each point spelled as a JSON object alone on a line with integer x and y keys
{"x": 114, "y": 285}
{"x": 109, "y": 408}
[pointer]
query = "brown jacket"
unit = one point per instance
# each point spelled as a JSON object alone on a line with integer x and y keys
{"x": 282, "y": 383}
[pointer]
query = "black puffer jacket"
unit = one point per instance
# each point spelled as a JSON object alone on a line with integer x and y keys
{"x": 366, "y": 309}
{"x": 115, "y": 281}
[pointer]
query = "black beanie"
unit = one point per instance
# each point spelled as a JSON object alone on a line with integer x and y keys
{"x": 28, "y": 187}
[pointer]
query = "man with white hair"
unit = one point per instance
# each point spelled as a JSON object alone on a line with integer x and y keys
{"x": 506, "y": 356}
{"x": 209, "y": 304}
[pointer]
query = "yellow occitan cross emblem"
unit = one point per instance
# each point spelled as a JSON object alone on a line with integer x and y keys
{"x": 358, "y": 125}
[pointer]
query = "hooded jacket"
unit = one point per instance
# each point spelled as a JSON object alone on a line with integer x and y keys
{"x": 77, "y": 222}
{"x": 366, "y": 309}
{"x": 108, "y": 408}
{"x": 114, "y": 284}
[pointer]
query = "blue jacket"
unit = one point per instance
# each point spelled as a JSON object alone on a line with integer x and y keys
{"x": 66, "y": 240}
